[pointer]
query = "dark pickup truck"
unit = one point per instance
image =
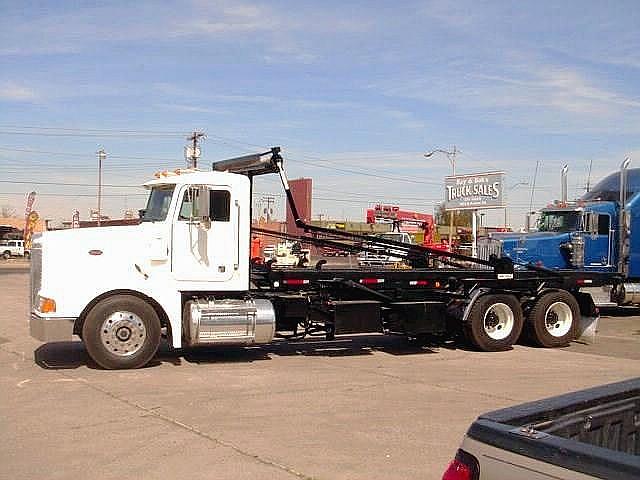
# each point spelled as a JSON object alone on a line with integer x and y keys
{"x": 592, "y": 433}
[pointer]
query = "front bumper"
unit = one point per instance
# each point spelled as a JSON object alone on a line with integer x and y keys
{"x": 51, "y": 329}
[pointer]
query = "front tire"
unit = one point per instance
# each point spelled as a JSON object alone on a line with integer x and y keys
{"x": 553, "y": 320}
{"x": 494, "y": 322}
{"x": 6, "y": 255}
{"x": 122, "y": 332}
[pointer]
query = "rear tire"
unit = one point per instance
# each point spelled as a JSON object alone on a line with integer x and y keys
{"x": 121, "y": 332}
{"x": 553, "y": 320}
{"x": 494, "y": 322}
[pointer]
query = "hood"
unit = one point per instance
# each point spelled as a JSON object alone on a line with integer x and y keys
{"x": 100, "y": 246}
{"x": 538, "y": 248}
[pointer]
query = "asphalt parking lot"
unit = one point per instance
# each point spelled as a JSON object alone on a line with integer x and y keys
{"x": 365, "y": 407}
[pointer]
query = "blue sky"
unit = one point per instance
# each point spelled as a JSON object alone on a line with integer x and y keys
{"x": 365, "y": 87}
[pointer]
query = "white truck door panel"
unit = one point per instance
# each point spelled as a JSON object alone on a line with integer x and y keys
{"x": 204, "y": 251}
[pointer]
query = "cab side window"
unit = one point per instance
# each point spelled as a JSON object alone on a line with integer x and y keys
{"x": 603, "y": 224}
{"x": 220, "y": 205}
{"x": 188, "y": 201}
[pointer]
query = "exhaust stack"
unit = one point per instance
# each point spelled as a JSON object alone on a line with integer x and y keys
{"x": 564, "y": 186}
{"x": 623, "y": 222}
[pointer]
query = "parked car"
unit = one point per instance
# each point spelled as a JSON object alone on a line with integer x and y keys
{"x": 381, "y": 256}
{"x": 13, "y": 248}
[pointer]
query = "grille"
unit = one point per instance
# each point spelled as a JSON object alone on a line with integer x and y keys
{"x": 488, "y": 247}
{"x": 36, "y": 274}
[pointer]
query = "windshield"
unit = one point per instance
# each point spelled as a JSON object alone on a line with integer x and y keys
{"x": 559, "y": 222}
{"x": 158, "y": 204}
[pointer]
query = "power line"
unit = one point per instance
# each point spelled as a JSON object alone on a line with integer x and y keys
{"x": 64, "y": 184}
{"x": 88, "y": 195}
{"x": 98, "y": 130}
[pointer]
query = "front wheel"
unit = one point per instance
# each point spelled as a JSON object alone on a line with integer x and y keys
{"x": 494, "y": 322}
{"x": 6, "y": 255}
{"x": 121, "y": 332}
{"x": 553, "y": 320}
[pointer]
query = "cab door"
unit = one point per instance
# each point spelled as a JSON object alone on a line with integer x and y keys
{"x": 205, "y": 244}
{"x": 598, "y": 240}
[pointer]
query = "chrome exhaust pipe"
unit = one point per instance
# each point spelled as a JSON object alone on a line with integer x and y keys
{"x": 565, "y": 188}
{"x": 623, "y": 222}
{"x": 623, "y": 181}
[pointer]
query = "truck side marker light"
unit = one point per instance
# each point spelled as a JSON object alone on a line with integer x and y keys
{"x": 276, "y": 284}
{"x": 419, "y": 283}
{"x": 584, "y": 281}
{"x": 437, "y": 284}
{"x": 47, "y": 305}
{"x": 371, "y": 281}
{"x": 295, "y": 281}
{"x": 95, "y": 252}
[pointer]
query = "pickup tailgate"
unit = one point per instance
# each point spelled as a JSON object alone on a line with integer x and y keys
{"x": 593, "y": 433}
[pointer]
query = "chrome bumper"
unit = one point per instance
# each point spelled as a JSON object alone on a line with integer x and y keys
{"x": 49, "y": 329}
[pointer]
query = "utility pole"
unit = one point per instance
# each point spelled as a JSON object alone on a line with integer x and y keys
{"x": 193, "y": 152}
{"x": 269, "y": 200}
{"x": 102, "y": 155}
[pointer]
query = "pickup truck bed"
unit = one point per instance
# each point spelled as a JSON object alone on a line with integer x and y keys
{"x": 593, "y": 433}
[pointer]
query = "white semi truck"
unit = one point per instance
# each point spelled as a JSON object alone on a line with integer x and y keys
{"x": 185, "y": 272}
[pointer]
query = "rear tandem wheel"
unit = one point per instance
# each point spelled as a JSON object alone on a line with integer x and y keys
{"x": 494, "y": 322}
{"x": 553, "y": 319}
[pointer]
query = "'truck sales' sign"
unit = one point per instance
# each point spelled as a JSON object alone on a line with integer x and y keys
{"x": 474, "y": 192}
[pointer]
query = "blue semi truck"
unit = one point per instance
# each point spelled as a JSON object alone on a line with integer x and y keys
{"x": 600, "y": 232}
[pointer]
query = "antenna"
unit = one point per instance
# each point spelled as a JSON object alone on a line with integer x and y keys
{"x": 588, "y": 187}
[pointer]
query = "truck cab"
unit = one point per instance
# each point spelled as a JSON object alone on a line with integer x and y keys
{"x": 572, "y": 236}
{"x": 125, "y": 285}
{"x": 583, "y": 234}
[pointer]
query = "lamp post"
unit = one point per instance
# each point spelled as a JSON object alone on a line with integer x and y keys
{"x": 451, "y": 155}
{"x": 102, "y": 155}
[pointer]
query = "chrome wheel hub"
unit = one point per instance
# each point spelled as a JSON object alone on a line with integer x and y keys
{"x": 123, "y": 333}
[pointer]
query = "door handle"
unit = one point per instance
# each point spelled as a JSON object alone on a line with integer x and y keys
{"x": 236, "y": 266}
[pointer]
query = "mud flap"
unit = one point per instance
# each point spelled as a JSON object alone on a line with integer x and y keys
{"x": 589, "y": 316}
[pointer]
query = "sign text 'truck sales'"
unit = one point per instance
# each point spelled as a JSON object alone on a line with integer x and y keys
{"x": 475, "y": 191}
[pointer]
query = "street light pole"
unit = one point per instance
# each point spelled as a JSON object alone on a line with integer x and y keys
{"x": 451, "y": 155}
{"x": 102, "y": 155}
